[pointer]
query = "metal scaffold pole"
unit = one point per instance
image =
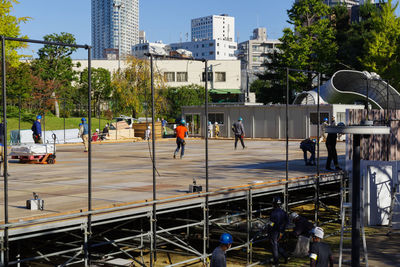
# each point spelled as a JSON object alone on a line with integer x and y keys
{"x": 5, "y": 168}
{"x": 206, "y": 144}
{"x": 317, "y": 195}
{"x": 286, "y": 197}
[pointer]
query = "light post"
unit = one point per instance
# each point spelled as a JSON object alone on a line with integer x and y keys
{"x": 118, "y": 5}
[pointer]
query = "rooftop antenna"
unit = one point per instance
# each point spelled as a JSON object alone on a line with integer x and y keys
{"x": 258, "y": 25}
{"x": 187, "y": 37}
{"x": 237, "y": 37}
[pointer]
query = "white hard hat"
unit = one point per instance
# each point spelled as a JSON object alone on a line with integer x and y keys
{"x": 293, "y": 215}
{"x": 97, "y": 130}
{"x": 318, "y": 232}
{"x": 216, "y": 123}
{"x": 148, "y": 127}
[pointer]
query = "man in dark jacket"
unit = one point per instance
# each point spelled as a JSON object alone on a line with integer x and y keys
{"x": 37, "y": 130}
{"x": 308, "y": 145}
{"x": 320, "y": 253}
{"x": 279, "y": 221}
{"x": 218, "y": 257}
{"x": 331, "y": 147}
{"x": 238, "y": 131}
{"x": 302, "y": 231}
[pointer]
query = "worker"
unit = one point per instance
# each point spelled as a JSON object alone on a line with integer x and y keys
{"x": 164, "y": 126}
{"x": 216, "y": 129}
{"x": 218, "y": 257}
{"x": 308, "y": 145}
{"x": 84, "y": 133}
{"x": 37, "y": 130}
{"x": 323, "y": 133}
{"x": 147, "y": 133}
{"x": 302, "y": 230}
{"x": 105, "y": 133}
{"x": 95, "y": 135}
{"x": 278, "y": 222}
{"x": 181, "y": 133}
{"x": 331, "y": 147}
{"x": 320, "y": 253}
{"x": 238, "y": 130}
{"x": 210, "y": 129}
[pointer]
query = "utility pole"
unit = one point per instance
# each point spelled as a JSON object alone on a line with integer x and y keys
{"x": 118, "y": 5}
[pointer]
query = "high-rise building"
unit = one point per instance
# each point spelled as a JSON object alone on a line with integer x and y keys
{"x": 213, "y": 38}
{"x": 115, "y": 27}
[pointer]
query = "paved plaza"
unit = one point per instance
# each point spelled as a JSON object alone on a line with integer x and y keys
{"x": 122, "y": 172}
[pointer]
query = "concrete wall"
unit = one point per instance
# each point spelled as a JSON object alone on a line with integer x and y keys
{"x": 265, "y": 121}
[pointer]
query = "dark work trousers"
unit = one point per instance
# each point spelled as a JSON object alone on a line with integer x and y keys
{"x": 180, "y": 145}
{"x": 239, "y": 137}
{"x": 311, "y": 149}
{"x": 332, "y": 154}
{"x": 276, "y": 248}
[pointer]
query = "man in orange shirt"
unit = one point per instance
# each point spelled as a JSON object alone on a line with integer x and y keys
{"x": 181, "y": 132}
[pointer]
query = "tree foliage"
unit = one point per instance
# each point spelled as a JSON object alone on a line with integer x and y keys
{"x": 10, "y": 27}
{"x": 101, "y": 84}
{"x": 132, "y": 88}
{"x": 177, "y": 97}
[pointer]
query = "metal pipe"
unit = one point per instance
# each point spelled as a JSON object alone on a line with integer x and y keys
{"x": 43, "y": 42}
{"x": 44, "y": 127}
{"x": 355, "y": 211}
{"x": 153, "y": 136}
{"x": 89, "y": 154}
{"x": 287, "y": 141}
{"x": 206, "y": 144}
{"x": 19, "y": 119}
{"x": 64, "y": 121}
{"x": 5, "y": 169}
{"x": 318, "y": 136}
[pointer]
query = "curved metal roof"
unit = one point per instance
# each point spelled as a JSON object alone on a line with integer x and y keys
{"x": 349, "y": 86}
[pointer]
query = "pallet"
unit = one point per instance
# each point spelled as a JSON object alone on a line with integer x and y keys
{"x": 36, "y": 159}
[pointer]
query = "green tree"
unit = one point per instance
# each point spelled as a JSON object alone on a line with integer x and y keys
{"x": 9, "y": 27}
{"x": 177, "y": 97}
{"x": 131, "y": 88}
{"x": 55, "y": 65}
{"x": 101, "y": 85}
{"x": 382, "y": 49}
{"x": 19, "y": 81}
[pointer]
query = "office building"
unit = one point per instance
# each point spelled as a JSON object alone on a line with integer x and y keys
{"x": 253, "y": 55}
{"x": 212, "y": 38}
{"x": 115, "y": 28}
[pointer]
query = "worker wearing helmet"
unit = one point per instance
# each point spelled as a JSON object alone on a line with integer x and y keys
{"x": 37, "y": 130}
{"x": 301, "y": 230}
{"x": 238, "y": 130}
{"x": 278, "y": 222}
{"x": 323, "y": 135}
{"x": 216, "y": 129}
{"x": 218, "y": 257}
{"x": 84, "y": 133}
{"x": 320, "y": 252}
{"x": 181, "y": 133}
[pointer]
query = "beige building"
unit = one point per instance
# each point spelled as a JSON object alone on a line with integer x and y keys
{"x": 224, "y": 75}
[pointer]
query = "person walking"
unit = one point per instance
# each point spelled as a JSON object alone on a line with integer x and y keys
{"x": 210, "y": 129}
{"x": 302, "y": 231}
{"x": 147, "y": 133}
{"x": 216, "y": 129}
{"x": 308, "y": 145}
{"x": 84, "y": 133}
{"x": 278, "y": 223}
{"x": 218, "y": 257}
{"x": 37, "y": 130}
{"x": 320, "y": 253}
{"x": 238, "y": 130}
{"x": 181, "y": 133}
{"x": 164, "y": 126}
{"x": 331, "y": 148}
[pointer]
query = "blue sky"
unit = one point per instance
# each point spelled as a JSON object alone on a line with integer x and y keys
{"x": 166, "y": 20}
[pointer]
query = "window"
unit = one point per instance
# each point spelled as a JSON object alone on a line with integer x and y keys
{"x": 216, "y": 117}
{"x": 211, "y": 52}
{"x": 181, "y": 77}
{"x": 232, "y": 47}
{"x": 211, "y": 44}
{"x": 210, "y": 76}
{"x": 220, "y": 76}
{"x": 314, "y": 117}
{"x": 169, "y": 76}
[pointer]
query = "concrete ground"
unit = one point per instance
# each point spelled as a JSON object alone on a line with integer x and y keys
{"x": 122, "y": 172}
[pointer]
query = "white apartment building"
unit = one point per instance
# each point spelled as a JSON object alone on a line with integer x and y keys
{"x": 253, "y": 54}
{"x": 224, "y": 75}
{"x": 213, "y": 27}
{"x": 349, "y": 3}
{"x": 115, "y": 27}
{"x": 212, "y": 38}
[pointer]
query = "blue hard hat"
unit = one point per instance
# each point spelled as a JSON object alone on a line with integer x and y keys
{"x": 83, "y": 119}
{"x": 325, "y": 119}
{"x": 277, "y": 200}
{"x": 38, "y": 117}
{"x": 226, "y": 239}
{"x": 240, "y": 119}
{"x": 183, "y": 122}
